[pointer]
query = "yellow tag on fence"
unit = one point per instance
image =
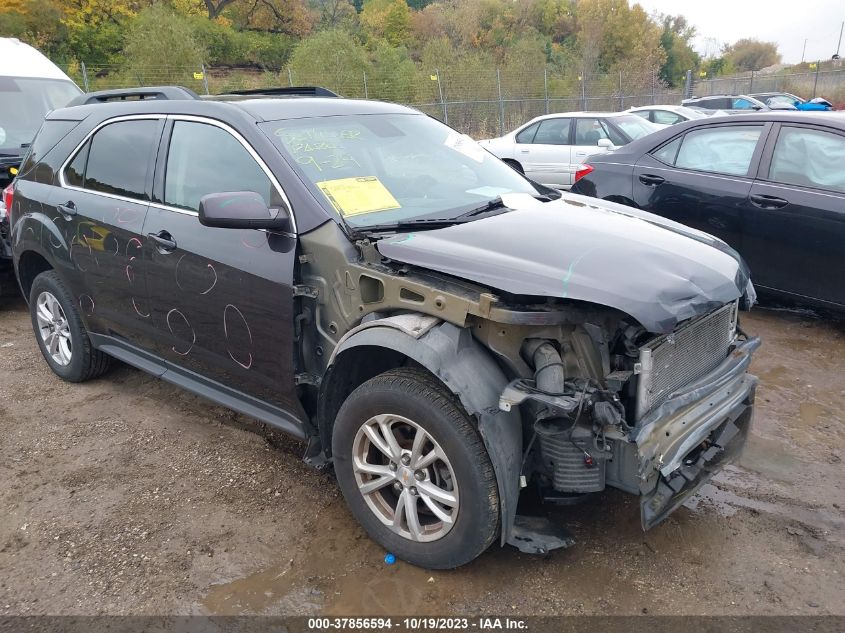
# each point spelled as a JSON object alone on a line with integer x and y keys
{"x": 198, "y": 75}
{"x": 354, "y": 196}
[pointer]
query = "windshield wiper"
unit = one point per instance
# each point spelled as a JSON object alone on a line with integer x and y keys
{"x": 438, "y": 222}
{"x": 490, "y": 205}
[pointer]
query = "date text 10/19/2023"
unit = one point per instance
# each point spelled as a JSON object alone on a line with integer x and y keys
{"x": 417, "y": 624}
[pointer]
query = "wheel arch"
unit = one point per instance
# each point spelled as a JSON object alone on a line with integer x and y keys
{"x": 30, "y": 264}
{"x": 622, "y": 200}
{"x": 457, "y": 360}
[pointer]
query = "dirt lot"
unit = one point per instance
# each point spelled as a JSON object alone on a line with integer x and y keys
{"x": 125, "y": 495}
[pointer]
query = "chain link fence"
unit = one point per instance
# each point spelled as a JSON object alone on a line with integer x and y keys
{"x": 482, "y": 102}
{"x": 828, "y": 83}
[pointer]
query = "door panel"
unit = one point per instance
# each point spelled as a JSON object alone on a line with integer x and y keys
{"x": 215, "y": 318}
{"x": 101, "y": 212}
{"x": 222, "y": 298}
{"x": 702, "y": 179}
{"x": 708, "y": 202}
{"x": 795, "y": 225}
{"x": 547, "y": 159}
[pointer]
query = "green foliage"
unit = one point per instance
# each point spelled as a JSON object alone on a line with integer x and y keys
{"x": 676, "y": 41}
{"x": 386, "y": 20}
{"x": 615, "y": 36}
{"x": 332, "y": 54}
{"x": 163, "y": 41}
{"x": 392, "y": 75}
{"x": 716, "y": 66}
{"x": 750, "y": 54}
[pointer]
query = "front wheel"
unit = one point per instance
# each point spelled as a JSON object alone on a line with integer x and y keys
{"x": 414, "y": 470}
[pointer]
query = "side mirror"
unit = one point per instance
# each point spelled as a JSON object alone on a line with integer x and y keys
{"x": 605, "y": 142}
{"x": 242, "y": 210}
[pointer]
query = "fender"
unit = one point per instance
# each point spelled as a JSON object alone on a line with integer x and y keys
{"x": 469, "y": 371}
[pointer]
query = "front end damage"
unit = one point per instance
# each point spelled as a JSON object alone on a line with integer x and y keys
{"x": 599, "y": 349}
{"x": 673, "y": 410}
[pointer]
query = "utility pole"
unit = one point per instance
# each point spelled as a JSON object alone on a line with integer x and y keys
{"x": 841, "y": 28}
{"x": 803, "y": 50}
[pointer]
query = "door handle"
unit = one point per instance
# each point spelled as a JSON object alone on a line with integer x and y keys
{"x": 767, "y": 202}
{"x": 163, "y": 240}
{"x": 650, "y": 180}
{"x": 523, "y": 151}
{"x": 68, "y": 209}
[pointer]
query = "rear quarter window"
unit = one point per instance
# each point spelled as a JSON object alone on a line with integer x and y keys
{"x": 52, "y": 131}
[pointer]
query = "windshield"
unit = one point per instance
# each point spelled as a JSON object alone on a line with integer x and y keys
{"x": 386, "y": 168}
{"x": 23, "y": 104}
{"x": 780, "y": 100}
{"x": 634, "y": 126}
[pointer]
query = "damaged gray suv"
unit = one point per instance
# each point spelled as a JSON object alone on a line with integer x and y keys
{"x": 441, "y": 330}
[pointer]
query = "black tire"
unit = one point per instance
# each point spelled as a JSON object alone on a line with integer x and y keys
{"x": 417, "y": 395}
{"x": 85, "y": 361}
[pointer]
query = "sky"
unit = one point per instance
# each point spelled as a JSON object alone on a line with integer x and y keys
{"x": 785, "y": 22}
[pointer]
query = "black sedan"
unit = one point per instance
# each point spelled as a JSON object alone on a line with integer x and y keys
{"x": 771, "y": 185}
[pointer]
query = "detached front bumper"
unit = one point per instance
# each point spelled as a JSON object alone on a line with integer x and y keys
{"x": 694, "y": 433}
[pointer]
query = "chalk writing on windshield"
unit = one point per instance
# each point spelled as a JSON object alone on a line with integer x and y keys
{"x": 322, "y": 148}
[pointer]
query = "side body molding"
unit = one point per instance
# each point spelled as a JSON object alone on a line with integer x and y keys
{"x": 463, "y": 365}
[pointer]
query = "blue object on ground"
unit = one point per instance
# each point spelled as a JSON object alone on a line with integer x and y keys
{"x": 389, "y": 558}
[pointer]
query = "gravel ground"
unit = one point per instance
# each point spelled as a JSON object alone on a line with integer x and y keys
{"x": 125, "y": 495}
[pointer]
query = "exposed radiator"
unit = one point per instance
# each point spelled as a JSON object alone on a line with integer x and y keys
{"x": 674, "y": 360}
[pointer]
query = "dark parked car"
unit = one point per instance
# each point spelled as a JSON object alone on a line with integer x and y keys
{"x": 734, "y": 104}
{"x": 355, "y": 273}
{"x": 771, "y": 185}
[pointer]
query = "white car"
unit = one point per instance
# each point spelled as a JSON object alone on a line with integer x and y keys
{"x": 550, "y": 148}
{"x": 668, "y": 114}
{"x": 30, "y": 86}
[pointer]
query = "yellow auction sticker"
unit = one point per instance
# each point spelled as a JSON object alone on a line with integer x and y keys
{"x": 354, "y": 196}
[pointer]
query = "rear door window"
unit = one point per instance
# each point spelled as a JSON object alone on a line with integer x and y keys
{"x": 116, "y": 159}
{"x": 809, "y": 158}
{"x": 553, "y": 132}
{"x": 721, "y": 150}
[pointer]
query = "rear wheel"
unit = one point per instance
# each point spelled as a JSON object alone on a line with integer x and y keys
{"x": 414, "y": 470}
{"x": 60, "y": 333}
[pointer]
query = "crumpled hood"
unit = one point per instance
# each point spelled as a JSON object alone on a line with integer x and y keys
{"x": 656, "y": 270}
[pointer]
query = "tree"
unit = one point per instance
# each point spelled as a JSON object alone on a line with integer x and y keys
{"x": 676, "y": 42}
{"x": 750, "y": 54}
{"x": 277, "y": 16}
{"x": 613, "y": 36}
{"x": 332, "y": 55}
{"x": 388, "y": 20}
{"x": 37, "y": 22}
{"x": 335, "y": 13}
{"x": 161, "y": 47}
{"x": 215, "y": 7}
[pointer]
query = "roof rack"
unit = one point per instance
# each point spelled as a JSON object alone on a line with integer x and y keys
{"x": 284, "y": 91}
{"x": 169, "y": 93}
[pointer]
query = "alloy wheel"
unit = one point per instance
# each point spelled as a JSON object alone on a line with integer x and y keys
{"x": 54, "y": 328}
{"x": 405, "y": 478}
